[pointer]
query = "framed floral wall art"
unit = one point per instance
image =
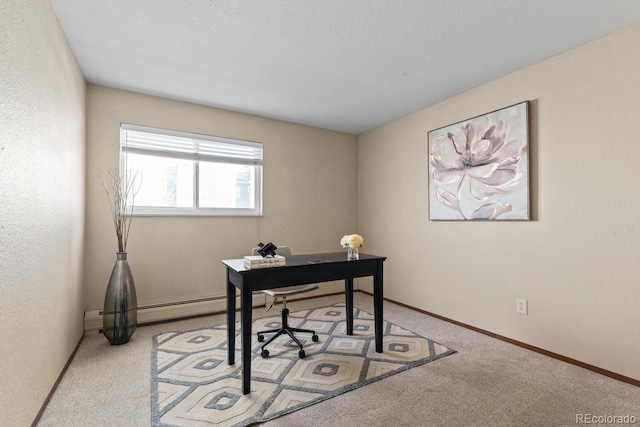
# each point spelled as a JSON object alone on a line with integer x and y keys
{"x": 479, "y": 168}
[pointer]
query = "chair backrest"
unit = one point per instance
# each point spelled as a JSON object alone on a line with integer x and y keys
{"x": 281, "y": 250}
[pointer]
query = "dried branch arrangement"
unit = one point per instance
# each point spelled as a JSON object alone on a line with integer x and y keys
{"x": 120, "y": 188}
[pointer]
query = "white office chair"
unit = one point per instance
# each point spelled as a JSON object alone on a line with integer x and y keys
{"x": 284, "y": 293}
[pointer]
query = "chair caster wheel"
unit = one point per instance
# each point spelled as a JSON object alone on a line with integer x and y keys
{"x": 265, "y": 353}
{"x": 301, "y": 354}
{"x": 260, "y": 337}
{"x": 314, "y": 338}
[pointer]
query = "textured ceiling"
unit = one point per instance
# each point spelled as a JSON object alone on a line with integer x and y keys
{"x": 347, "y": 65}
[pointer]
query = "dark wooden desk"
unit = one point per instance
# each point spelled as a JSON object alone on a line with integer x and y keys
{"x": 300, "y": 270}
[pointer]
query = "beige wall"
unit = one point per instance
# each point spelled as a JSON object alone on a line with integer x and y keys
{"x": 577, "y": 261}
{"x": 310, "y": 199}
{"x": 41, "y": 206}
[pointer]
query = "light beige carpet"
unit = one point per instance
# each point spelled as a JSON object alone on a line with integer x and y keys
{"x": 192, "y": 384}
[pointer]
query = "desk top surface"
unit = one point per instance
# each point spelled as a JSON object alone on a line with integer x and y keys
{"x": 305, "y": 259}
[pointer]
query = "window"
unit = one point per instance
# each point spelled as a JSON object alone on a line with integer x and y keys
{"x": 189, "y": 174}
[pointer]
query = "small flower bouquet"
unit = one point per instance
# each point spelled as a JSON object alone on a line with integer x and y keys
{"x": 352, "y": 242}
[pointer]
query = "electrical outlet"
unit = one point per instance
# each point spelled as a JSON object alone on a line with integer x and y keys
{"x": 522, "y": 306}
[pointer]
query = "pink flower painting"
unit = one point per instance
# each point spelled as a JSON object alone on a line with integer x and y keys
{"x": 478, "y": 169}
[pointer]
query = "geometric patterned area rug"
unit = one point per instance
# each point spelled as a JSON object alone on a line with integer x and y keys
{"x": 192, "y": 384}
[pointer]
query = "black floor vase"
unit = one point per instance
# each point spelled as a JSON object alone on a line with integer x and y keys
{"x": 120, "y": 315}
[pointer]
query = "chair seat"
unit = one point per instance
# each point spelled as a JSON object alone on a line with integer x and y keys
{"x": 290, "y": 290}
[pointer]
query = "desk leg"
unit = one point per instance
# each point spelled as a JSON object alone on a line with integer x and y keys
{"x": 231, "y": 321}
{"x": 348, "y": 300}
{"x": 246, "y": 313}
{"x": 377, "y": 307}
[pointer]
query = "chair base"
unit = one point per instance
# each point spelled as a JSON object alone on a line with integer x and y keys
{"x": 285, "y": 329}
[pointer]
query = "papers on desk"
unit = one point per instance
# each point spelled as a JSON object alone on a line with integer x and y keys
{"x": 257, "y": 261}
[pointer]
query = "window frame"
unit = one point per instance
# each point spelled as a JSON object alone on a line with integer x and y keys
{"x": 196, "y": 157}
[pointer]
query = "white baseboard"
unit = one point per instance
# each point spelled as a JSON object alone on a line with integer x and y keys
{"x": 168, "y": 311}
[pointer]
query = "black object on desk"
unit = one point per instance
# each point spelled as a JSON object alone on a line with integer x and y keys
{"x": 299, "y": 270}
{"x": 267, "y": 250}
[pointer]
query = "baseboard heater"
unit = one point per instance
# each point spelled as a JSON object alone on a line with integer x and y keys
{"x": 172, "y": 310}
